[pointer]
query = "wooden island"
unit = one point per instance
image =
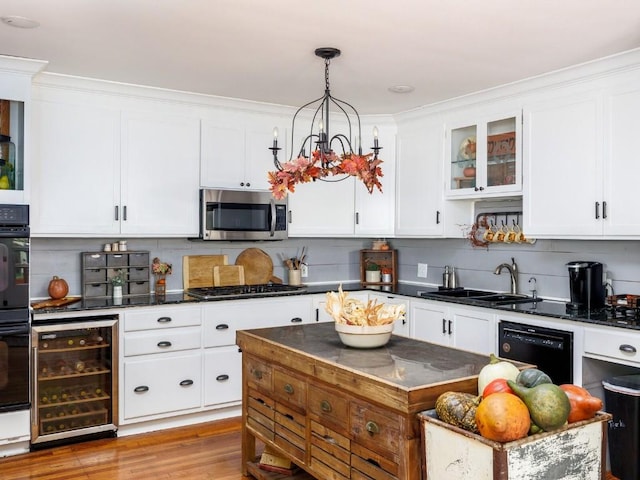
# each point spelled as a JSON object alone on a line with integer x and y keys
{"x": 339, "y": 412}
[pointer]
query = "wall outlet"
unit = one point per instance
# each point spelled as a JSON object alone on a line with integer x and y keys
{"x": 304, "y": 270}
{"x": 422, "y": 270}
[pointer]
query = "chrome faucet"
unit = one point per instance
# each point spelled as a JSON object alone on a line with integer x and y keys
{"x": 513, "y": 271}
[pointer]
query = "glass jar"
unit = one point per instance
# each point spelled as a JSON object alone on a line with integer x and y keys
{"x": 7, "y": 163}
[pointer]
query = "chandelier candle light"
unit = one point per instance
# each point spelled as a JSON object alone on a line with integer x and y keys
{"x": 323, "y": 161}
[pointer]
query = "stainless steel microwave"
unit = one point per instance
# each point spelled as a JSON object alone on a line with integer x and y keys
{"x": 241, "y": 215}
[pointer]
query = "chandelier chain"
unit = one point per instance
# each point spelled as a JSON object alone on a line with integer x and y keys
{"x": 326, "y": 73}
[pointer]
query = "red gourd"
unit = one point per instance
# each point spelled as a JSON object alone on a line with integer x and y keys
{"x": 583, "y": 405}
{"x": 58, "y": 288}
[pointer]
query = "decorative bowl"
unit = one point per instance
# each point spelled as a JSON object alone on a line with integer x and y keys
{"x": 364, "y": 336}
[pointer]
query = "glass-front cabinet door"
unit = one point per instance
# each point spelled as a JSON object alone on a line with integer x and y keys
{"x": 484, "y": 158}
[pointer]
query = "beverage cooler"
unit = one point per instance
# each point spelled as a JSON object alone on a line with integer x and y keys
{"x": 75, "y": 379}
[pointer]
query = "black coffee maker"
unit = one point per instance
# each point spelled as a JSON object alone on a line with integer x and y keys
{"x": 586, "y": 286}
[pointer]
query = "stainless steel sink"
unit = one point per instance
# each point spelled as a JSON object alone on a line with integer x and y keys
{"x": 482, "y": 297}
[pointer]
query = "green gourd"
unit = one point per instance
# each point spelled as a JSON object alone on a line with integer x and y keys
{"x": 532, "y": 377}
{"x": 548, "y": 405}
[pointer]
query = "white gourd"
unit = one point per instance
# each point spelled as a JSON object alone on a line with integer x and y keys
{"x": 496, "y": 368}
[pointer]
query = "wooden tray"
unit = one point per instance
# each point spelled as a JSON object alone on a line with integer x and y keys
{"x": 197, "y": 270}
{"x": 51, "y": 303}
{"x": 228, "y": 275}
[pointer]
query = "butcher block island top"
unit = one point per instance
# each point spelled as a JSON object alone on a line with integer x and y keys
{"x": 339, "y": 412}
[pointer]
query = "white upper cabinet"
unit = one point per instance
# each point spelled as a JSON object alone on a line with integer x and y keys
{"x": 235, "y": 150}
{"x": 104, "y": 168}
{"x": 419, "y": 198}
{"x": 15, "y": 127}
{"x": 484, "y": 158}
{"x": 160, "y": 154}
{"x": 580, "y": 163}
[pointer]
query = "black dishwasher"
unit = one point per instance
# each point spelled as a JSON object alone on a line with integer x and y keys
{"x": 549, "y": 349}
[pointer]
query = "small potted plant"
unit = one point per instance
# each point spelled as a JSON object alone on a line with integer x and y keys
{"x": 372, "y": 272}
{"x": 117, "y": 281}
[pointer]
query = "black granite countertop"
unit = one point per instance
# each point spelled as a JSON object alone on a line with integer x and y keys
{"x": 403, "y": 361}
{"x": 545, "y": 308}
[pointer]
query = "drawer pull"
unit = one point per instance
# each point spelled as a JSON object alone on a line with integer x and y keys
{"x": 222, "y": 326}
{"x": 373, "y": 462}
{"x": 257, "y": 374}
{"x": 186, "y": 383}
{"x": 222, "y": 378}
{"x": 164, "y": 320}
{"x": 288, "y": 388}
{"x": 164, "y": 344}
{"x": 372, "y": 428}
{"x": 627, "y": 348}
{"x": 330, "y": 440}
{"x": 141, "y": 389}
{"x": 296, "y": 320}
{"x": 289, "y": 416}
{"x": 325, "y": 406}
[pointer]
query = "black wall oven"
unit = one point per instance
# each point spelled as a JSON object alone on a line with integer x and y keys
{"x": 14, "y": 308}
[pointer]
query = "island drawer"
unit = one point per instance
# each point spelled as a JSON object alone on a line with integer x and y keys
{"x": 257, "y": 373}
{"x": 330, "y": 452}
{"x": 369, "y": 465}
{"x": 619, "y": 343}
{"x": 291, "y": 431}
{"x": 261, "y": 414}
{"x": 290, "y": 389}
{"x": 329, "y": 406}
{"x": 376, "y": 429}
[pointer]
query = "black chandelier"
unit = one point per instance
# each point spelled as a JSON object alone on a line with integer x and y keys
{"x": 323, "y": 161}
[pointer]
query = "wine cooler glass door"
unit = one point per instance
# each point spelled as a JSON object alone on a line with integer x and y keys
{"x": 75, "y": 379}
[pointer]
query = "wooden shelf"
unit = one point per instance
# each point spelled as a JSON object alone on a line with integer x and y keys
{"x": 386, "y": 259}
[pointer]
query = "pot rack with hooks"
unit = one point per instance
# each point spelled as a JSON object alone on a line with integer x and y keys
{"x": 498, "y": 227}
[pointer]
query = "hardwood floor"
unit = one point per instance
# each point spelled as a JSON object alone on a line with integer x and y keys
{"x": 205, "y": 451}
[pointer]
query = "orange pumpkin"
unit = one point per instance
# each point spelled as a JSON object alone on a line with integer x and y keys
{"x": 503, "y": 417}
{"x": 58, "y": 288}
{"x": 583, "y": 404}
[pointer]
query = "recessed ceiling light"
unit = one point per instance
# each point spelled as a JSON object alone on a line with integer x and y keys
{"x": 20, "y": 22}
{"x": 401, "y": 89}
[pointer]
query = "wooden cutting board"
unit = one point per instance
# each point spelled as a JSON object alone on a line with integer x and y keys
{"x": 226, "y": 275}
{"x": 197, "y": 270}
{"x": 258, "y": 266}
{"x": 51, "y": 303}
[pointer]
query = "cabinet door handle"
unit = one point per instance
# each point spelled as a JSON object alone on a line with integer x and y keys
{"x": 242, "y": 184}
{"x": 604, "y": 210}
{"x": 325, "y": 406}
{"x": 290, "y": 216}
{"x": 296, "y": 320}
{"x": 117, "y": 213}
{"x": 222, "y": 326}
{"x": 357, "y": 218}
{"x": 449, "y": 327}
{"x": 597, "y": 210}
{"x": 288, "y": 389}
{"x": 124, "y": 213}
{"x": 444, "y": 325}
{"x": 186, "y": 383}
{"x": 317, "y": 314}
{"x": 164, "y": 320}
{"x": 437, "y": 217}
{"x": 141, "y": 389}
{"x": 248, "y": 184}
{"x": 626, "y": 348}
{"x": 222, "y": 378}
{"x": 372, "y": 427}
{"x": 164, "y": 344}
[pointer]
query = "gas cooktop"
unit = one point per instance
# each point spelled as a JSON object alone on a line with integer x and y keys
{"x": 210, "y": 293}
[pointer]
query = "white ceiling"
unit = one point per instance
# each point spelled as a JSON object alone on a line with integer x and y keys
{"x": 263, "y": 49}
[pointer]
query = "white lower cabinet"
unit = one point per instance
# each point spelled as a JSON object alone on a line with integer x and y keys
{"x": 472, "y": 329}
{"x": 401, "y": 327}
{"x": 613, "y": 344}
{"x": 161, "y": 385}
{"x": 223, "y": 378}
